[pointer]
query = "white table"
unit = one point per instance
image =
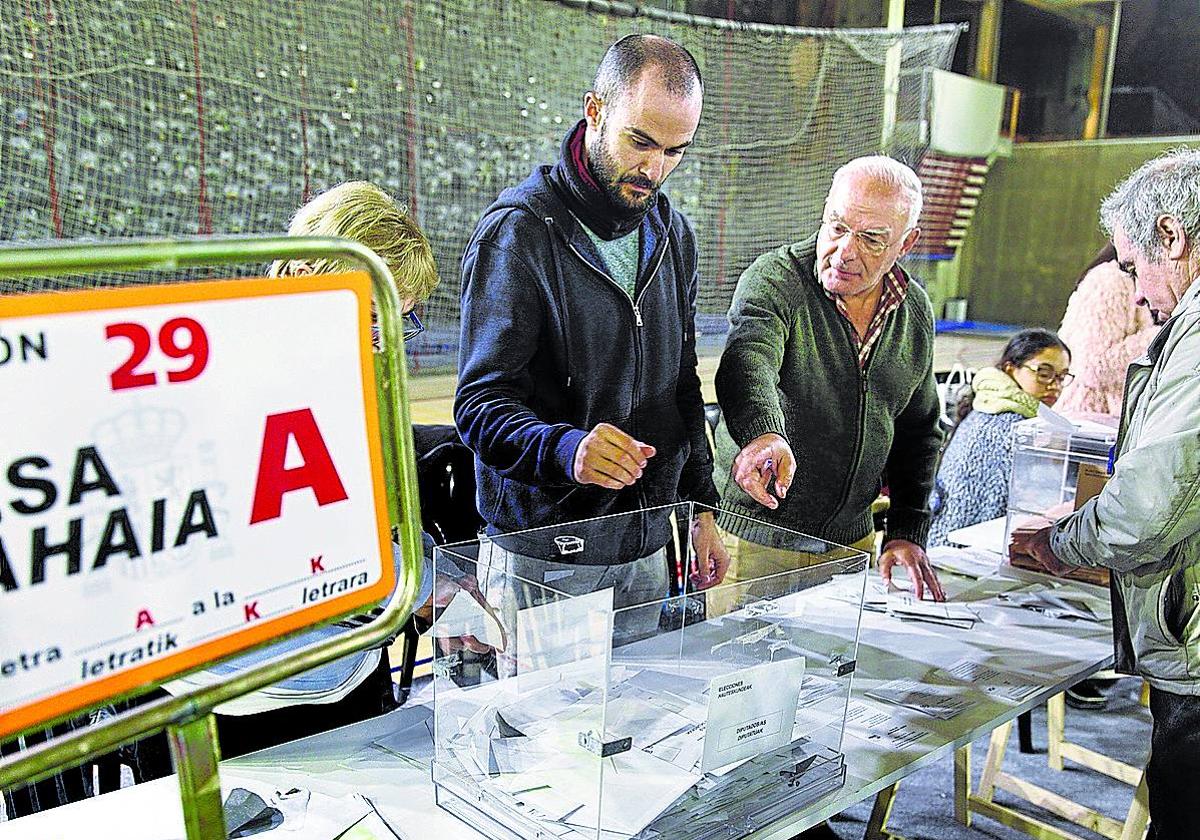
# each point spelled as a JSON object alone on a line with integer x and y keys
{"x": 1058, "y": 653}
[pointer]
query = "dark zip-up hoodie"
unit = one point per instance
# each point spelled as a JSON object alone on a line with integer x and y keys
{"x": 552, "y": 345}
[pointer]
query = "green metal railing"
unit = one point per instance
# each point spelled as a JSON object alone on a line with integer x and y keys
{"x": 188, "y": 719}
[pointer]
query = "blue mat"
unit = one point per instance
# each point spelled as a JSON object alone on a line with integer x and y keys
{"x": 975, "y": 328}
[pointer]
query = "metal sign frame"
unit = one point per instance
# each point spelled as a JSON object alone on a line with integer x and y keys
{"x": 188, "y": 718}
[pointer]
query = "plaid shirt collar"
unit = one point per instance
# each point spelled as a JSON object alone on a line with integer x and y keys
{"x": 895, "y": 288}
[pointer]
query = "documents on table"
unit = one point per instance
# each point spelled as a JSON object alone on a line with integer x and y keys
{"x": 906, "y": 607}
{"x": 1010, "y": 686}
{"x": 875, "y": 725}
{"x": 1049, "y": 604}
{"x": 978, "y": 561}
{"x": 939, "y": 701}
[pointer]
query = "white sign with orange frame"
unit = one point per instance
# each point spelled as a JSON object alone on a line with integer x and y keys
{"x": 186, "y": 470}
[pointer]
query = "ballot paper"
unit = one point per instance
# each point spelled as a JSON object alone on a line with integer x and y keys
{"x": 751, "y": 711}
{"x": 905, "y": 606}
{"x": 465, "y": 616}
{"x": 645, "y": 722}
{"x": 1052, "y": 418}
{"x": 1011, "y": 686}
{"x": 876, "y": 726}
{"x": 413, "y": 741}
{"x": 1048, "y": 604}
{"x": 623, "y": 793}
{"x": 940, "y": 701}
{"x": 972, "y": 562}
{"x": 372, "y": 827}
{"x": 307, "y": 815}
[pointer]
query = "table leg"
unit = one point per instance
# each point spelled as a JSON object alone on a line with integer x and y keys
{"x": 877, "y": 825}
{"x": 994, "y": 761}
{"x": 962, "y": 785}
{"x": 1056, "y": 724}
{"x": 1138, "y": 817}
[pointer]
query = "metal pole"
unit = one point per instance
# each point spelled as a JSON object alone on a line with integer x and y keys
{"x": 196, "y": 754}
{"x": 1113, "y": 33}
{"x": 891, "y": 73}
{"x": 987, "y": 42}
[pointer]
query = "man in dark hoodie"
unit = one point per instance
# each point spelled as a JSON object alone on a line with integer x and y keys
{"x": 577, "y": 383}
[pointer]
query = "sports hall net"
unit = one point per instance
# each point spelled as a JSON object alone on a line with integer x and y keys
{"x": 124, "y": 118}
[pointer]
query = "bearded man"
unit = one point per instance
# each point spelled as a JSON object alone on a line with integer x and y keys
{"x": 577, "y": 385}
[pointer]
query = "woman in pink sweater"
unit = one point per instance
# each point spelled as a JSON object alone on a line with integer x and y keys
{"x": 1105, "y": 331}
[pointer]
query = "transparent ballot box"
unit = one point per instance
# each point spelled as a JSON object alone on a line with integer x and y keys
{"x": 576, "y": 696}
{"x": 1048, "y": 462}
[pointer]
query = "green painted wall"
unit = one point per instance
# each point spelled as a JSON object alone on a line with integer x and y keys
{"x": 1037, "y": 225}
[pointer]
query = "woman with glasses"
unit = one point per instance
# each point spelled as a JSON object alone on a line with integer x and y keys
{"x": 972, "y": 480}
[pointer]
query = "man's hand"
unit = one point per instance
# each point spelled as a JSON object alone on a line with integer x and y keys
{"x": 765, "y": 458}
{"x": 712, "y": 559}
{"x": 610, "y": 458}
{"x": 912, "y": 557}
{"x": 1036, "y": 545}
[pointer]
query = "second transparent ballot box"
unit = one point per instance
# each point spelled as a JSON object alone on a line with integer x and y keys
{"x": 584, "y": 687}
{"x": 1049, "y": 461}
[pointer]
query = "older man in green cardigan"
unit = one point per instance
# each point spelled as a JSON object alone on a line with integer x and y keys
{"x": 826, "y": 383}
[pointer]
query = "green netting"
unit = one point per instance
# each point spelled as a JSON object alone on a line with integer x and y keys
{"x": 181, "y": 117}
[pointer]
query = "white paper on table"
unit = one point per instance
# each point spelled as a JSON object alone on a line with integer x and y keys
{"x": 751, "y": 711}
{"x": 518, "y": 755}
{"x": 532, "y": 790}
{"x": 464, "y": 616}
{"x": 875, "y": 725}
{"x": 636, "y": 789}
{"x": 323, "y": 817}
{"x": 940, "y": 701}
{"x": 1049, "y": 604}
{"x": 372, "y": 827}
{"x": 532, "y": 712}
{"x": 969, "y": 562}
{"x": 414, "y": 739}
{"x": 1013, "y": 687}
{"x": 684, "y": 749}
{"x": 906, "y": 604}
{"x": 625, "y": 792}
{"x": 675, "y": 692}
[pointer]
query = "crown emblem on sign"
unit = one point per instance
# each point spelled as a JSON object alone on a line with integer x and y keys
{"x": 140, "y": 436}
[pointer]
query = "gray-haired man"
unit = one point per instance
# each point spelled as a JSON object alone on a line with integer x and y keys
{"x": 829, "y": 365}
{"x": 1145, "y": 524}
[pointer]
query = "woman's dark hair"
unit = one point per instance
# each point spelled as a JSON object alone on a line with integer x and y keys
{"x": 1107, "y": 254}
{"x": 1020, "y": 348}
{"x": 1028, "y": 343}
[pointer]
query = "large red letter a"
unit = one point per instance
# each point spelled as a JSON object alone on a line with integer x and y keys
{"x": 317, "y": 471}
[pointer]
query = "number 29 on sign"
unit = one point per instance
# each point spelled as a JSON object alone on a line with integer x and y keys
{"x": 133, "y": 372}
